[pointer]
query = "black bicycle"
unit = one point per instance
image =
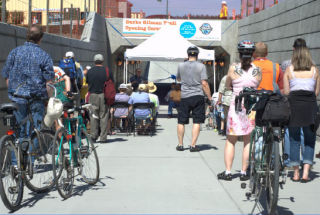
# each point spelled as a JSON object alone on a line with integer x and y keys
{"x": 24, "y": 160}
{"x": 265, "y": 161}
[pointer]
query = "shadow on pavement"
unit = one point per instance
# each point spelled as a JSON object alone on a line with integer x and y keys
{"x": 35, "y": 197}
{"x": 205, "y": 147}
{"x": 118, "y": 139}
{"x": 80, "y": 190}
{"x": 280, "y": 210}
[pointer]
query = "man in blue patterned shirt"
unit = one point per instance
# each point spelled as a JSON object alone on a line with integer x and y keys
{"x": 27, "y": 70}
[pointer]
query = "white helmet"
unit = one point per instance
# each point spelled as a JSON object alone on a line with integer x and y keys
{"x": 70, "y": 54}
{"x": 224, "y": 2}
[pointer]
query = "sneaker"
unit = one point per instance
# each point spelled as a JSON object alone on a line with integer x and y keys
{"x": 224, "y": 176}
{"x": 194, "y": 149}
{"x": 244, "y": 177}
{"x": 179, "y": 148}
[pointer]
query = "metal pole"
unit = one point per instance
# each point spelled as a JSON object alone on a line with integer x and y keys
{"x": 61, "y": 14}
{"x": 264, "y": 4}
{"x": 247, "y": 8}
{"x": 47, "y": 25}
{"x": 71, "y": 20}
{"x": 29, "y": 13}
{"x": 254, "y": 6}
{"x": 104, "y": 9}
{"x": 89, "y": 5}
{"x": 95, "y": 5}
{"x": 167, "y": 9}
{"x": 214, "y": 76}
{"x": 3, "y": 11}
{"x": 85, "y": 9}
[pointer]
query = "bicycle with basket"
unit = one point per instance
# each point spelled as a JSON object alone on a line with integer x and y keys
{"x": 265, "y": 161}
{"x": 75, "y": 150}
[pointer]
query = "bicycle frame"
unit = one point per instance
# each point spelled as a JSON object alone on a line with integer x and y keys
{"x": 72, "y": 151}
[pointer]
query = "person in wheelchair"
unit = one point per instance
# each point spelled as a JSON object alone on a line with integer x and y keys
{"x": 119, "y": 113}
{"x": 140, "y": 115}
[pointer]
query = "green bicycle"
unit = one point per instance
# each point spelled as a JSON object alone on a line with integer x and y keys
{"x": 265, "y": 161}
{"x": 75, "y": 149}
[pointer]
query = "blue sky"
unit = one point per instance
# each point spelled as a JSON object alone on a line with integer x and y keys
{"x": 183, "y": 7}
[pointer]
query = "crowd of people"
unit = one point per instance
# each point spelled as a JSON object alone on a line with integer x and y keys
{"x": 29, "y": 68}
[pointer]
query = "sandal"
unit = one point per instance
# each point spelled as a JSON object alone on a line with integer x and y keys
{"x": 295, "y": 180}
{"x": 224, "y": 176}
{"x": 318, "y": 155}
{"x": 179, "y": 148}
{"x": 244, "y": 177}
{"x": 305, "y": 180}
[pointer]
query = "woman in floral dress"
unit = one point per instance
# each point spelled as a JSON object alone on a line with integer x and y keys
{"x": 240, "y": 75}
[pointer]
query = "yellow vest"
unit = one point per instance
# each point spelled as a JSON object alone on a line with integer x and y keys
{"x": 224, "y": 12}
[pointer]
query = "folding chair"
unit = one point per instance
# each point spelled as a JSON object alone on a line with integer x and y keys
{"x": 127, "y": 117}
{"x": 144, "y": 106}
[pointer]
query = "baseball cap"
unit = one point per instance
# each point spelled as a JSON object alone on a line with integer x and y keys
{"x": 98, "y": 57}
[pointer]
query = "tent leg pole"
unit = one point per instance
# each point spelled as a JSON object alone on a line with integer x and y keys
{"x": 127, "y": 71}
{"x": 124, "y": 73}
{"x": 214, "y": 77}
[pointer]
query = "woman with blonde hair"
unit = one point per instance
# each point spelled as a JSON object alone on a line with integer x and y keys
{"x": 302, "y": 84}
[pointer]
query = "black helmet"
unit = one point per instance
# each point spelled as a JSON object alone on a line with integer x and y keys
{"x": 246, "y": 48}
{"x": 193, "y": 51}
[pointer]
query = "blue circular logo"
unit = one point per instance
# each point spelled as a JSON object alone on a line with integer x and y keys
{"x": 188, "y": 29}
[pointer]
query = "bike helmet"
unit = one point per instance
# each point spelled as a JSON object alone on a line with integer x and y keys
{"x": 193, "y": 51}
{"x": 246, "y": 48}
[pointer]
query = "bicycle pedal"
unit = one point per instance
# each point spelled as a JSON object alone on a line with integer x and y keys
{"x": 243, "y": 185}
{"x": 248, "y": 195}
{"x": 13, "y": 190}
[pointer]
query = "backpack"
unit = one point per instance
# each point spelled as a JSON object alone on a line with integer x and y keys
{"x": 109, "y": 90}
{"x": 69, "y": 67}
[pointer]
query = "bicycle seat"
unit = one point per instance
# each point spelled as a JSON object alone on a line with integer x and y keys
{"x": 8, "y": 107}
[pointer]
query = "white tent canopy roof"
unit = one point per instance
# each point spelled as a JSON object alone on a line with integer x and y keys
{"x": 166, "y": 45}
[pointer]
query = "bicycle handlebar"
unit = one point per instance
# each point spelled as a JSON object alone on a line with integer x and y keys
{"x": 253, "y": 95}
{"x": 86, "y": 106}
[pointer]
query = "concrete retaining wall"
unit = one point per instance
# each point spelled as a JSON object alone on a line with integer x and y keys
{"x": 280, "y": 25}
{"x": 94, "y": 40}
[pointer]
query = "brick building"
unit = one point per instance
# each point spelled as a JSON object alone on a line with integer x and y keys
{"x": 115, "y": 8}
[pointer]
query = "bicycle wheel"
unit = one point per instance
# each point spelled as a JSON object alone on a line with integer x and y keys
{"x": 39, "y": 177}
{"x": 88, "y": 159}
{"x": 63, "y": 171}
{"x": 11, "y": 183}
{"x": 272, "y": 177}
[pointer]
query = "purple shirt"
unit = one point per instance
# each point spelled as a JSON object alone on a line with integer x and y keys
{"x": 121, "y": 97}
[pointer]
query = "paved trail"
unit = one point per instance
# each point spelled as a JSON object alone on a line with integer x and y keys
{"x": 147, "y": 175}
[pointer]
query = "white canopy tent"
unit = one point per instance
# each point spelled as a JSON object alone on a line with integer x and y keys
{"x": 165, "y": 45}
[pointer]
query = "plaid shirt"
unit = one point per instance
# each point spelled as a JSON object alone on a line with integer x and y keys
{"x": 28, "y": 68}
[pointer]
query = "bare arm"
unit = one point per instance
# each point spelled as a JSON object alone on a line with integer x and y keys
{"x": 229, "y": 78}
{"x": 67, "y": 82}
{"x": 7, "y": 82}
{"x": 286, "y": 85}
{"x": 206, "y": 89}
{"x": 219, "y": 98}
{"x": 317, "y": 83}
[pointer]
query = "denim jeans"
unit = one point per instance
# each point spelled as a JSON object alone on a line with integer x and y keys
{"x": 172, "y": 105}
{"x": 287, "y": 145}
{"x": 295, "y": 145}
{"x": 37, "y": 109}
